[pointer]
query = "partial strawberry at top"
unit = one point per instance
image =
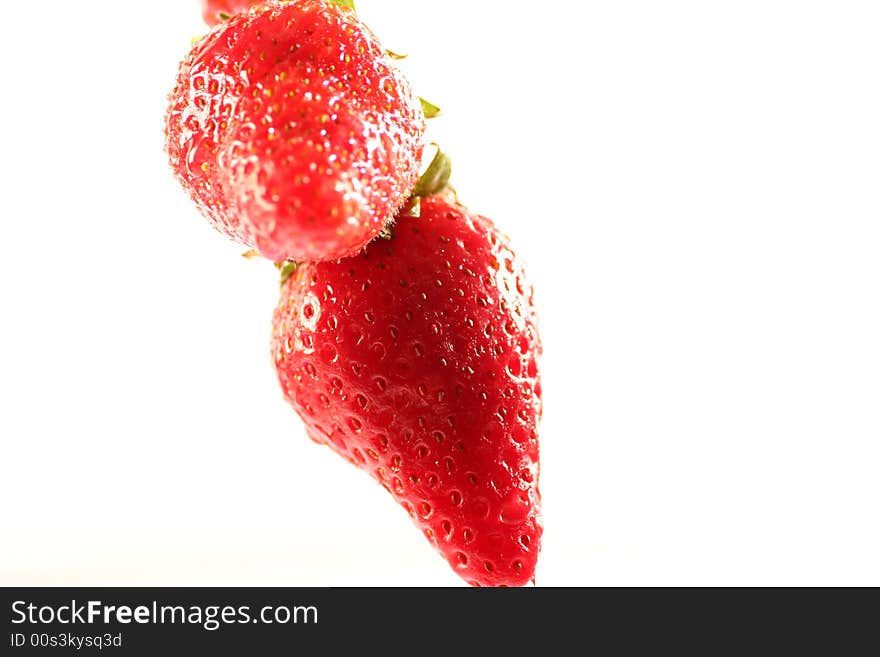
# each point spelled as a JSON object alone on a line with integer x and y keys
{"x": 417, "y": 361}
{"x": 217, "y": 11}
{"x": 293, "y": 132}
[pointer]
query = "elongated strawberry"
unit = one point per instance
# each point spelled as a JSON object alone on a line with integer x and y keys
{"x": 417, "y": 360}
{"x": 293, "y": 132}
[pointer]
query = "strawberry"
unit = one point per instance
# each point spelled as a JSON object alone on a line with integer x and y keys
{"x": 217, "y": 11}
{"x": 293, "y": 132}
{"x": 417, "y": 361}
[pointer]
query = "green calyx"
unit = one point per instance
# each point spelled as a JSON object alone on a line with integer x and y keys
{"x": 286, "y": 269}
{"x": 436, "y": 177}
{"x": 429, "y": 108}
{"x": 345, "y": 3}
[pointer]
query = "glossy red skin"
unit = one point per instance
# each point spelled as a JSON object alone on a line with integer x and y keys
{"x": 417, "y": 361}
{"x": 293, "y": 132}
{"x": 213, "y": 10}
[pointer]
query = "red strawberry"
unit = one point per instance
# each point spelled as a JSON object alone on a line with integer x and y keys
{"x": 293, "y": 132}
{"x": 416, "y": 360}
{"x": 217, "y": 11}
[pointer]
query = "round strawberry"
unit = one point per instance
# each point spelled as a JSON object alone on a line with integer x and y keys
{"x": 417, "y": 361}
{"x": 293, "y": 132}
{"x": 217, "y": 11}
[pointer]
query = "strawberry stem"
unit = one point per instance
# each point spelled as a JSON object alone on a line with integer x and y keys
{"x": 436, "y": 177}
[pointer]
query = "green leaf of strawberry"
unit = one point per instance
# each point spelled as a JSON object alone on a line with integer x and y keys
{"x": 345, "y": 3}
{"x": 436, "y": 177}
{"x": 429, "y": 108}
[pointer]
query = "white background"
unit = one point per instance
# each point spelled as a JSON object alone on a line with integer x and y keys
{"x": 694, "y": 186}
